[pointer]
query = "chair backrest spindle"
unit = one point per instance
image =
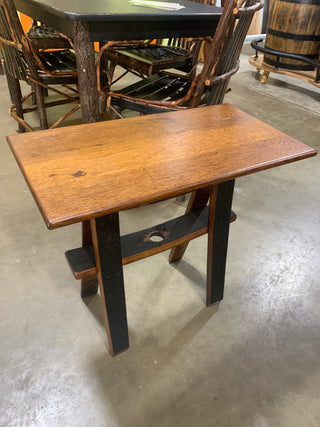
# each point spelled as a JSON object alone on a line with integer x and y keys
{"x": 19, "y": 36}
{"x": 231, "y": 57}
{"x": 11, "y": 48}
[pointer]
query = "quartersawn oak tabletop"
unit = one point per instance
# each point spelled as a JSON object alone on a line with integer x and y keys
{"x": 85, "y": 171}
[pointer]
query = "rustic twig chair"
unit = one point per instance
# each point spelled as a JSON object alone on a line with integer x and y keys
{"x": 39, "y": 69}
{"x": 166, "y": 91}
{"x": 146, "y": 57}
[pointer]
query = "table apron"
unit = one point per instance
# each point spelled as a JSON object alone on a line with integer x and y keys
{"x": 139, "y": 30}
{"x": 126, "y": 29}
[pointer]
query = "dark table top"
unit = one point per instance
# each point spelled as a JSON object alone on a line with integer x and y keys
{"x": 119, "y": 20}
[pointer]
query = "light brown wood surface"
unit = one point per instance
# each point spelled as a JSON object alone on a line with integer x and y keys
{"x": 255, "y": 27}
{"x": 81, "y": 172}
{"x": 306, "y": 76}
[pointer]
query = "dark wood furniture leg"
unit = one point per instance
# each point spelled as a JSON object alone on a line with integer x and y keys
{"x": 198, "y": 199}
{"x": 89, "y": 284}
{"x": 89, "y": 101}
{"x": 16, "y": 96}
{"x": 107, "y": 248}
{"x": 218, "y": 233}
{"x": 84, "y": 48}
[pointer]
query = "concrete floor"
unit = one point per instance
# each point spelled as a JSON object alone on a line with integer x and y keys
{"x": 251, "y": 361}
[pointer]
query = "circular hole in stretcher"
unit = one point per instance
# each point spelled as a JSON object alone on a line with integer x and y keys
{"x": 156, "y": 236}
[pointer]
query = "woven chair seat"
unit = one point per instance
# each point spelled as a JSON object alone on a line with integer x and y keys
{"x": 44, "y": 37}
{"x": 61, "y": 61}
{"x": 149, "y": 59}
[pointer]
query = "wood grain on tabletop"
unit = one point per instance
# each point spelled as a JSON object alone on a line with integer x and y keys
{"x": 80, "y": 172}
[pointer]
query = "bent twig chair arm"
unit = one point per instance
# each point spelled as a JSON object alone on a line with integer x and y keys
{"x": 218, "y": 79}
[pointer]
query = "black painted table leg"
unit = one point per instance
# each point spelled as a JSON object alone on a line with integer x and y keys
{"x": 218, "y": 233}
{"x": 89, "y": 285}
{"x": 198, "y": 199}
{"x": 106, "y": 242}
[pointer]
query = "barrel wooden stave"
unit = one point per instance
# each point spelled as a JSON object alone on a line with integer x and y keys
{"x": 293, "y": 27}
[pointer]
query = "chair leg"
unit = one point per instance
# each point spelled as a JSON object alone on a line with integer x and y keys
{"x": 198, "y": 199}
{"x": 109, "y": 67}
{"x": 16, "y": 97}
{"x": 45, "y": 94}
{"x": 218, "y": 233}
{"x": 1, "y": 65}
{"x": 41, "y": 107}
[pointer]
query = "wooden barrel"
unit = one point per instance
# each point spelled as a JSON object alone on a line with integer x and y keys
{"x": 293, "y": 27}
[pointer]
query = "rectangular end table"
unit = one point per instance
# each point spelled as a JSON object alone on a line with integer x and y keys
{"x": 89, "y": 173}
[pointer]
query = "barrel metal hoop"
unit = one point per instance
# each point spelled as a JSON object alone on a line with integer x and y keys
{"x": 303, "y": 58}
{"x": 299, "y": 37}
{"x": 291, "y": 55}
{"x": 310, "y": 2}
